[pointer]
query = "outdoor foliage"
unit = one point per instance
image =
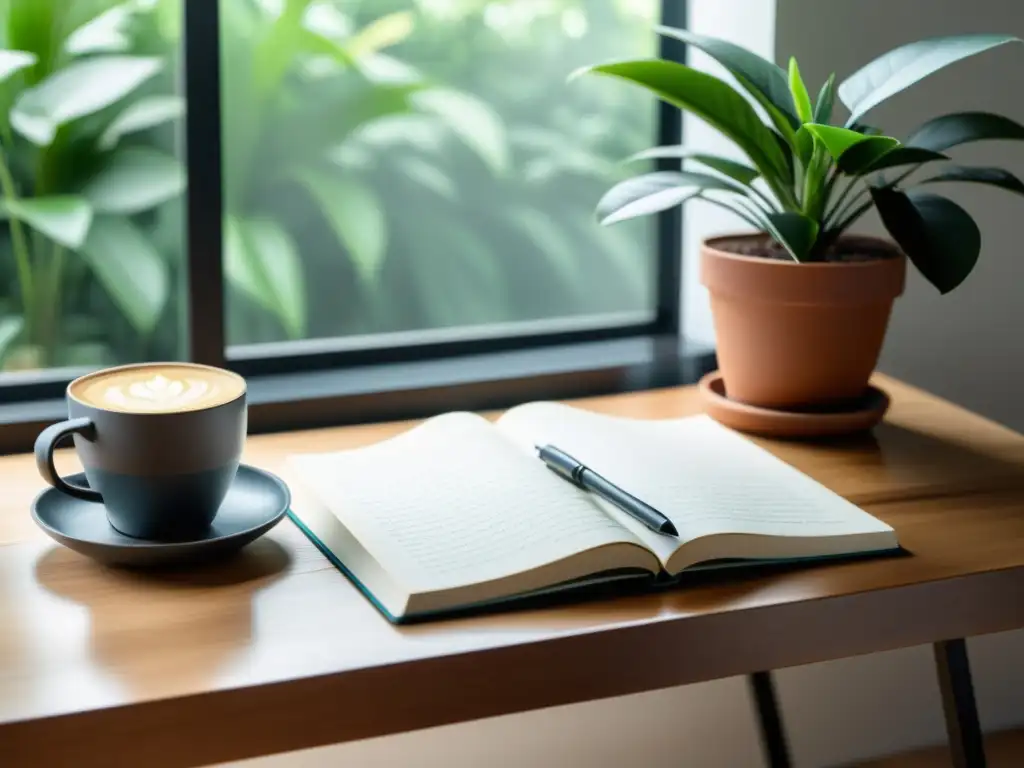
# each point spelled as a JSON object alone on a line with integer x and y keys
{"x": 390, "y": 165}
{"x": 78, "y": 84}
{"x": 808, "y": 180}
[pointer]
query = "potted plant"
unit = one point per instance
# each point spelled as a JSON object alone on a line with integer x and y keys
{"x": 801, "y": 307}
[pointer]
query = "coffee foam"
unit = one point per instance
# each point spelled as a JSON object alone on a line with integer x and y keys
{"x": 164, "y": 388}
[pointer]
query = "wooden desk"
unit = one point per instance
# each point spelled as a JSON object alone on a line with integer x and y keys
{"x": 276, "y": 651}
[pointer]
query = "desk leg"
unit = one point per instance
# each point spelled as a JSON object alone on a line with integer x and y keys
{"x": 773, "y": 737}
{"x": 962, "y": 726}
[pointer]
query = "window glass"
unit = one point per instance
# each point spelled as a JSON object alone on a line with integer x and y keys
{"x": 404, "y": 165}
{"x": 92, "y": 176}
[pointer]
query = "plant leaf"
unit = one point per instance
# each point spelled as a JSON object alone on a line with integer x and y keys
{"x": 801, "y": 98}
{"x": 354, "y": 213}
{"x": 135, "y": 180}
{"x": 994, "y": 177}
{"x": 826, "y": 101}
{"x": 655, "y": 192}
{"x": 795, "y": 232}
{"x": 709, "y": 98}
{"x": 82, "y": 88}
{"x": 902, "y": 67}
{"x": 762, "y": 79}
{"x": 10, "y": 328}
{"x": 852, "y": 151}
{"x": 740, "y": 172}
{"x": 129, "y": 269}
{"x": 950, "y": 131}
{"x": 260, "y": 260}
{"x": 381, "y": 33}
{"x": 270, "y": 245}
{"x": 471, "y": 119}
{"x": 12, "y": 62}
{"x": 141, "y": 116}
{"x": 804, "y": 145}
{"x": 939, "y": 237}
{"x": 898, "y": 156}
{"x": 64, "y": 219}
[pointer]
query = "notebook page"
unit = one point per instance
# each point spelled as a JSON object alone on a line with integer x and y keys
{"x": 704, "y": 477}
{"x": 452, "y": 502}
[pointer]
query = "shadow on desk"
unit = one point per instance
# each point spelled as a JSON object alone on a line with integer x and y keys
{"x": 896, "y": 463}
{"x": 137, "y": 620}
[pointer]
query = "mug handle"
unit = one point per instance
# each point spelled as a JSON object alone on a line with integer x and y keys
{"x": 45, "y": 445}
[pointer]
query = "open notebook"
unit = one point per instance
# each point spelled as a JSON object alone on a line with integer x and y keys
{"x": 460, "y": 512}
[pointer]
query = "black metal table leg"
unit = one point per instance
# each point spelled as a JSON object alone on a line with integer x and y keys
{"x": 773, "y": 736}
{"x": 962, "y": 725}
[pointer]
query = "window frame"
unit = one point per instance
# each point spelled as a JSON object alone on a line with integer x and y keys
{"x": 334, "y": 381}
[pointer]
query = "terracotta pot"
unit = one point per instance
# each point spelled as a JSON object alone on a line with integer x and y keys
{"x": 795, "y": 335}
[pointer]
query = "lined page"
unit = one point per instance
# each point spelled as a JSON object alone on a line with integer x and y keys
{"x": 453, "y": 502}
{"x": 704, "y": 477}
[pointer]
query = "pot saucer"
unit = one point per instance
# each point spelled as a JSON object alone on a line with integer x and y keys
{"x": 255, "y": 503}
{"x": 862, "y": 414}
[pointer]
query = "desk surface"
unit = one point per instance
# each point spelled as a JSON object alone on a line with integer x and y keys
{"x": 277, "y": 651}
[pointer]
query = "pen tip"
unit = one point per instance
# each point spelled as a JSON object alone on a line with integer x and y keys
{"x": 668, "y": 528}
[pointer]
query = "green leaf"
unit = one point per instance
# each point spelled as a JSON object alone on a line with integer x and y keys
{"x": 655, "y": 192}
{"x": 106, "y": 33}
{"x": 867, "y": 130}
{"x": 260, "y": 259}
{"x": 381, "y": 33}
{"x": 993, "y": 177}
{"x": 82, "y": 88}
{"x": 10, "y": 329}
{"x": 63, "y": 219}
{"x": 804, "y": 142}
{"x": 129, "y": 269}
{"x": 904, "y": 156}
{"x": 710, "y": 99}
{"x": 762, "y": 79}
{"x": 795, "y": 232}
{"x": 950, "y": 131}
{"x": 135, "y": 180}
{"x": 801, "y": 98}
{"x": 142, "y": 115}
{"x": 900, "y": 68}
{"x": 354, "y": 213}
{"x": 12, "y": 62}
{"x": 744, "y": 174}
{"x": 271, "y": 246}
{"x": 939, "y": 237}
{"x": 852, "y": 151}
{"x": 471, "y": 119}
{"x": 826, "y": 101}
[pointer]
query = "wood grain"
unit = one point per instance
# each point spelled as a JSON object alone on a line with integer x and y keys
{"x": 276, "y": 651}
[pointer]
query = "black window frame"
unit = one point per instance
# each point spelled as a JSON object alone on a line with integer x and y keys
{"x": 330, "y": 382}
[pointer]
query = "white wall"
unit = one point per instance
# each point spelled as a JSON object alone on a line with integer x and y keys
{"x": 967, "y": 346}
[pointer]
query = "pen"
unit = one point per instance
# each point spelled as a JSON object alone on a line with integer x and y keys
{"x": 576, "y": 473}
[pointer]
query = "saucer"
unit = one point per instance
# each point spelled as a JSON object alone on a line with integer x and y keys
{"x": 255, "y": 503}
{"x": 862, "y": 414}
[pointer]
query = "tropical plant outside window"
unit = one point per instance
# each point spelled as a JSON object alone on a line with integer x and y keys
{"x": 389, "y": 165}
{"x": 90, "y": 181}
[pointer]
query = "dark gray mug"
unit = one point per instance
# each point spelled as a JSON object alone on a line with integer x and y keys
{"x": 160, "y": 475}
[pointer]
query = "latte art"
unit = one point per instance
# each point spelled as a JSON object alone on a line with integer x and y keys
{"x": 158, "y": 388}
{"x": 159, "y": 393}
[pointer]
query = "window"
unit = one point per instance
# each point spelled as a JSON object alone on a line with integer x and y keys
{"x": 371, "y": 183}
{"x": 424, "y": 164}
{"x": 92, "y": 176}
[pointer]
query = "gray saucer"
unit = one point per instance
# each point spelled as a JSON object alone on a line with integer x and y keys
{"x": 255, "y": 503}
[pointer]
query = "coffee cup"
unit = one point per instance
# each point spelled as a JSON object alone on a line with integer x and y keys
{"x": 160, "y": 444}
